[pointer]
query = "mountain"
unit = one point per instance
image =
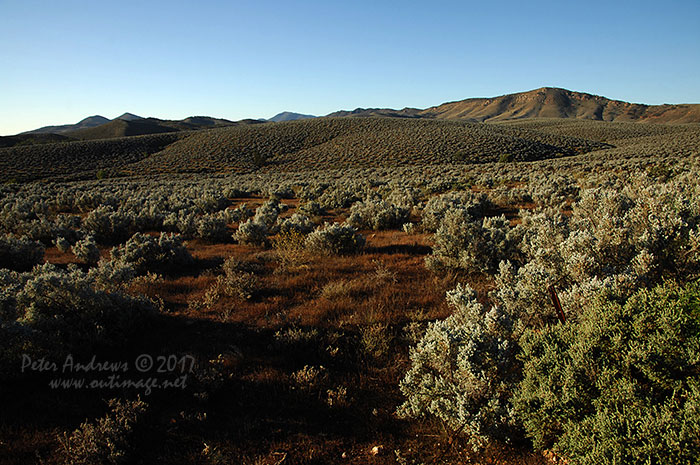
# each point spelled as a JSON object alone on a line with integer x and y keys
{"x": 546, "y": 102}
{"x": 89, "y": 122}
{"x": 552, "y": 102}
{"x": 385, "y": 112}
{"x": 289, "y": 116}
{"x": 128, "y": 117}
{"x": 120, "y": 127}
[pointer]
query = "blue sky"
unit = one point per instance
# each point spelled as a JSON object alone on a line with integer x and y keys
{"x": 63, "y": 61}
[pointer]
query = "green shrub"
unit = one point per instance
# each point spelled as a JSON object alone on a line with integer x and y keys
{"x": 622, "y": 384}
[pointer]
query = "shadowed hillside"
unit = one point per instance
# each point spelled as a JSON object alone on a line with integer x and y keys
{"x": 89, "y": 122}
{"x": 342, "y": 143}
{"x": 136, "y": 127}
{"x": 357, "y": 142}
{"x": 79, "y": 159}
{"x": 31, "y": 139}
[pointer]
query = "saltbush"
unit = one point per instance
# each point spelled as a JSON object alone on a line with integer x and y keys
{"x": 295, "y": 224}
{"x": 464, "y": 370}
{"x": 377, "y": 214}
{"x": 474, "y": 205}
{"x": 268, "y": 212}
{"x": 251, "y": 233}
{"x": 20, "y": 253}
{"x": 86, "y": 250}
{"x": 49, "y": 312}
{"x": 211, "y": 228}
{"x": 149, "y": 253}
{"x": 471, "y": 245}
{"x": 335, "y": 239}
{"x": 109, "y": 439}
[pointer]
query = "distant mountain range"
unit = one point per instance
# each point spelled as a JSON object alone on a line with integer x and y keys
{"x": 128, "y": 124}
{"x": 546, "y": 102}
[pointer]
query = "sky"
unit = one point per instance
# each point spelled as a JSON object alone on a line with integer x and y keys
{"x": 63, "y": 61}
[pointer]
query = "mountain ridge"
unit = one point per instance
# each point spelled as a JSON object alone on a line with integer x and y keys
{"x": 544, "y": 102}
{"x": 89, "y": 122}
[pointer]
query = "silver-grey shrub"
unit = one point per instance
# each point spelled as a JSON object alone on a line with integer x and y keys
{"x": 106, "y": 224}
{"x": 50, "y": 312}
{"x": 618, "y": 240}
{"x": 183, "y": 222}
{"x": 20, "y": 253}
{"x": 109, "y": 439}
{"x": 268, "y": 212}
{"x": 251, "y": 233}
{"x": 148, "y": 253}
{"x": 464, "y": 371}
{"x": 311, "y": 209}
{"x": 297, "y": 223}
{"x": 435, "y": 209}
{"x": 335, "y": 239}
{"x": 62, "y": 244}
{"x": 377, "y": 214}
{"x": 211, "y": 228}
{"x": 86, "y": 250}
{"x": 338, "y": 197}
{"x": 471, "y": 244}
{"x": 235, "y": 215}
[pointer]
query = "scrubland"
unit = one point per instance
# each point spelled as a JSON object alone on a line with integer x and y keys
{"x": 390, "y": 301}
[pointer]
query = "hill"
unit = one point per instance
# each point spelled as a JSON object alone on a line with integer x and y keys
{"x": 32, "y": 139}
{"x": 129, "y": 117}
{"x": 289, "y": 116}
{"x": 549, "y": 102}
{"x": 386, "y": 112}
{"x": 89, "y": 122}
{"x": 546, "y": 102}
{"x": 290, "y": 146}
{"x": 120, "y": 127}
{"x": 354, "y": 143}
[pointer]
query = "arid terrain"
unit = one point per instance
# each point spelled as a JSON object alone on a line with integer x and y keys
{"x": 496, "y": 281}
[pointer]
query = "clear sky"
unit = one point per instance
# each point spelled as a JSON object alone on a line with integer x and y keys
{"x": 61, "y": 61}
